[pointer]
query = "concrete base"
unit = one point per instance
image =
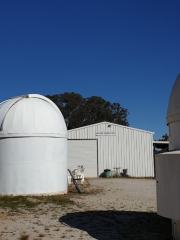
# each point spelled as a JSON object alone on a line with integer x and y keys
{"x": 168, "y": 184}
{"x": 168, "y": 188}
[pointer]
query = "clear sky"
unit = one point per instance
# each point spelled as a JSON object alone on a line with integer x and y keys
{"x": 124, "y": 51}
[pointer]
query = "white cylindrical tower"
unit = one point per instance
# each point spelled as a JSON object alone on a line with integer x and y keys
{"x": 168, "y": 166}
{"x": 173, "y": 116}
{"x": 33, "y": 147}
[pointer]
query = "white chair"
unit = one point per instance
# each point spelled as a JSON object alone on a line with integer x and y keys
{"x": 77, "y": 174}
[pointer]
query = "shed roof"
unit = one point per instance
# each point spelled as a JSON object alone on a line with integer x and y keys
{"x": 31, "y": 115}
{"x": 109, "y": 123}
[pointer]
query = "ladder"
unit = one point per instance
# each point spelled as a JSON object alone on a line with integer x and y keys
{"x": 75, "y": 181}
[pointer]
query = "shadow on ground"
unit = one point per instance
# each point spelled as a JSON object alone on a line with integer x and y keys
{"x": 106, "y": 225}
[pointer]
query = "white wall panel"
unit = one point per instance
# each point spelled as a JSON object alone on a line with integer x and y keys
{"x": 83, "y": 152}
{"x": 33, "y": 165}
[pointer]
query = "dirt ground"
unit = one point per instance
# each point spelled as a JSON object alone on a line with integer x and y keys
{"x": 108, "y": 208}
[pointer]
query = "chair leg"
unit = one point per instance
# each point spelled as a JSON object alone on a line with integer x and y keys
{"x": 82, "y": 181}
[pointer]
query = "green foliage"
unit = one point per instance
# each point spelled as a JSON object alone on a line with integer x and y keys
{"x": 163, "y": 147}
{"x": 79, "y": 111}
{"x": 165, "y": 137}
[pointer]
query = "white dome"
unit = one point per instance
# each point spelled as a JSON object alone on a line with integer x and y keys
{"x": 173, "y": 113}
{"x": 33, "y": 147}
{"x": 31, "y": 115}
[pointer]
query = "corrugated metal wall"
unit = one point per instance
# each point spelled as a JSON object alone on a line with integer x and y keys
{"x": 123, "y": 147}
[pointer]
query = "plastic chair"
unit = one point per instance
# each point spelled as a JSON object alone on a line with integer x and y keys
{"x": 77, "y": 174}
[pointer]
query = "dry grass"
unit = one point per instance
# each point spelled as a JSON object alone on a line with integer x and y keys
{"x": 25, "y": 202}
{"x": 24, "y": 236}
{"x": 41, "y": 235}
{"x": 16, "y": 202}
{"x": 86, "y": 188}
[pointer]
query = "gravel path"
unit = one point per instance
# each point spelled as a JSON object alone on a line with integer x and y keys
{"x": 113, "y": 208}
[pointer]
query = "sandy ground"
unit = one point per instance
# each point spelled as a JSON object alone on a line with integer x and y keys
{"x": 112, "y": 208}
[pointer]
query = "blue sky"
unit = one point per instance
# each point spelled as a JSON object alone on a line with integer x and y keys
{"x": 124, "y": 51}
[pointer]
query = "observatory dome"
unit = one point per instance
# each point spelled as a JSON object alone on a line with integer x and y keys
{"x": 31, "y": 115}
{"x": 33, "y": 147}
{"x": 173, "y": 112}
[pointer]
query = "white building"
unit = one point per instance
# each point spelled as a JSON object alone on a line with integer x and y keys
{"x": 33, "y": 147}
{"x": 107, "y": 145}
{"x": 168, "y": 166}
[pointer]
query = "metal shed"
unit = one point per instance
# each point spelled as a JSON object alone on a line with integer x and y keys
{"x": 117, "y": 147}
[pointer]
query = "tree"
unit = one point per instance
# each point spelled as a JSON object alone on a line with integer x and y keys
{"x": 163, "y": 147}
{"x": 165, "y": 137}
{"x": 70, "y": 105}
{"x": 79, "y": 111}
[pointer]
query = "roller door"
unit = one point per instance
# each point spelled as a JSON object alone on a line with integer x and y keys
{"x": 83, "y": 152}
